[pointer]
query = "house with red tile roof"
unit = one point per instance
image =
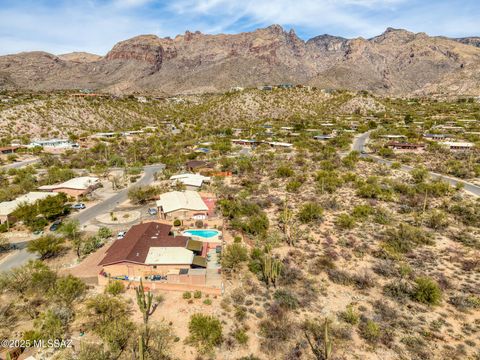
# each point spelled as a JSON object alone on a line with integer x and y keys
{"x": 151, "y": 250}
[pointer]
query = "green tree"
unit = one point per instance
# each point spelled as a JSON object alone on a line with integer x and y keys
{"x": 71, "y": 230}
{"x": 233, "y": 256}
{"x": 46, "y": 246}
{"x": 68, "y": 289}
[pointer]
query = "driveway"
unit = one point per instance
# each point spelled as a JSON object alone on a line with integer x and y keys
{"x": 20, "y": 257}
{"x": 359, "y": 145}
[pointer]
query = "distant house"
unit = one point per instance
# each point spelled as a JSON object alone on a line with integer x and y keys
{"x": 246, "y": 142}
{"x": 404, "y": 146}
{"x": 150, "y": 251}
{"x": 458, "y": 145}
{"x": 266, "y": 87}
{"x": 76, "y": 187}
{"x": 393, "y": 136}
{"x": 8, "y": 207}
{"x": 54, "y": 145}
{"x": 199, "y": 166}
{"x": 182, "y": 205}
{"x": 106, "y": 135}
{"x": 191, "y": 181}
{"x": 323, "y": 137}
{"x": 6, "y": 150}
{"x": 437, "y": 137}
{"x": 202, "y": 150}
{"x": 279, "y": 144}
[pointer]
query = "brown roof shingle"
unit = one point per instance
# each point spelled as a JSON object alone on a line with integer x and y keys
{"x": 135, "y": 245}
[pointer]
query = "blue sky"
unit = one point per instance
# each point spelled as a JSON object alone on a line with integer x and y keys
{"x": 60, "y": 26}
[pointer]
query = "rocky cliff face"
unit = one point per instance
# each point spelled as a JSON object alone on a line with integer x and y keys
{"x": 395, "y": 62}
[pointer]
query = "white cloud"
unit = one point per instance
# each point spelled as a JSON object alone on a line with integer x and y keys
{"x": 96, "y": 25}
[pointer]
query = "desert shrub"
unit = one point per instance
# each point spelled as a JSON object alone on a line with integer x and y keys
{"x": 370, "y": 330}
{"x": 466, "y": 238}
{"x": 386, "y": 268}
{"x": 284, "y": 171}
{"x": 310, "y": 212}
{"x": 197, "y": 294}
{"x": 363, "y": 280}
{"x": 427, "y": 291}
{"x": 241, "y": 336}
{"x": 419, "y": 174}
{"x": 240, "y": 313}
{"x": 293, "y": 186}
{"x": 205, "y": 332}
{"x": 321, "y": 263}
{"x": 328, "y": 181}
{"x": 345, "y": 221}
{"x": 177, "y": 222}
{"x": 286, "y": 299}
{"x": 467, "y": 213}
{"x": 398, "y": 290}
{"x": 340, "y": 277}
{"x": 437, "y": 220}
{"x": 350, "y": 315}
{"x": 465, "y": 302}
{"x": 362, "y": 212}
{"x": 187, "y": 295}
{"x": 275, "y": 333}
{"x": 114, "y": 287}
{"x": 404, "y": 238}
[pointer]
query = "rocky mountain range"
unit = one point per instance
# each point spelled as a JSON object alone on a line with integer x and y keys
{"x": 397, "y": 62}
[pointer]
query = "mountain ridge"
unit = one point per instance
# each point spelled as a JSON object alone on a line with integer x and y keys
{"x": 396, "y": 62}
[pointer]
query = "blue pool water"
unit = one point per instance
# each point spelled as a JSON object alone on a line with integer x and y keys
{"x": 202, "y": 233}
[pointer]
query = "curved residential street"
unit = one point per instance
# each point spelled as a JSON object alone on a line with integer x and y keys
{"x": 21, "y": 256}
{"x": 359, "y": 145}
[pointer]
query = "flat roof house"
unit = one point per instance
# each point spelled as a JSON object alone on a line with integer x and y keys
{"x": 191, "y": 181}
{"x": 8, "y": 207}
{"x": 75, "y": 187}
{"x": 458, "y": 145}
{"x": 246, "y": 142}
{"x": 438, "y": 137}
{"x": 54, "y": 145}
{"x": 182, "y": 205}
{"x": 279, "y": 144}
{"x": 404, "y": 146}
{"x": 150, "y": 249}
{"x": 8, "y": 150}
{"x": 199, "y": 166}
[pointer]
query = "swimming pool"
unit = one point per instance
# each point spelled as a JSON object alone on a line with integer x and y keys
{"x": 200, "y": 233}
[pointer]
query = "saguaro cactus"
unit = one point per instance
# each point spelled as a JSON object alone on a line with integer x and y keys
{"x": 271, "y": 270}
{"x": 144, "y": 302}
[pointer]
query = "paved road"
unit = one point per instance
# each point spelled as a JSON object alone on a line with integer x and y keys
{"x": 22, "y": 256}
{"x": 17, "y": 165}
{"x": 17, "y": 258}
{"x": 359, "y": 145}
{"x": 110, "y": 203}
